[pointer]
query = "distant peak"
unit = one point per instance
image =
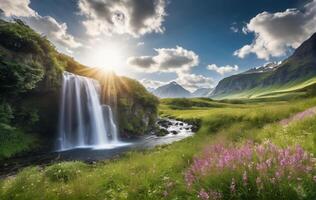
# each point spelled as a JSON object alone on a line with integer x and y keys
{"x": 173, "y": 83}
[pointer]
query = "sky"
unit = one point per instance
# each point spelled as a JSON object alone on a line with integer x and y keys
{"x": 193, "y": 42}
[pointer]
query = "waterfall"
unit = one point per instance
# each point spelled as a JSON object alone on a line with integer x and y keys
{"x": 83, "y": 121}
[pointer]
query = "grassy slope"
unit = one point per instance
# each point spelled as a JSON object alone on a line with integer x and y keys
{"x": 286, "y": 90}
{"x": 146, "y": 175}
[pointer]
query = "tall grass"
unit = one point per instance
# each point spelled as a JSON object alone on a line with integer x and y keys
{"x": 159, "y": 173}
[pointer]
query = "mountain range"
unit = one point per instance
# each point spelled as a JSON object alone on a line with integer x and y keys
{"x": 175, "y": 90}
{"x": 296, "y": 72}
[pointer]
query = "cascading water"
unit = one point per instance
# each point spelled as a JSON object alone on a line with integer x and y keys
{"x": 83, "y": 121}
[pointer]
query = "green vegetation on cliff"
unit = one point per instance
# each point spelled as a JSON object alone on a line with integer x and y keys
{"x": 29, "y": 73}
{"x": 30, "y": 79}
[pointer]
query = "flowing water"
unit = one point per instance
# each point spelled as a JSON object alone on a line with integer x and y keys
{"x": 83, "y": 120}
{"x": 88, "y": 130}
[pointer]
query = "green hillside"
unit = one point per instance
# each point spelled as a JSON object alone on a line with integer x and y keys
{"x": 295, "y": 73}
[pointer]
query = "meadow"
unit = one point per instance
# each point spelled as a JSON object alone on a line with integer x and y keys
{"x": 240, "y": 151}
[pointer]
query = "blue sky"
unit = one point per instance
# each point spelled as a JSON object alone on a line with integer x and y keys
{"x": 195, "y": 40}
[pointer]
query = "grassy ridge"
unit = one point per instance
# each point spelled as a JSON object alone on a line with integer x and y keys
{"x": 292, "y": 89}
{"x": 159, "y": 173}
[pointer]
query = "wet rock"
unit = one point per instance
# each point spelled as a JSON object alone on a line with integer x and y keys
{"x": 164, "y": 123}
{"x": 162, "y": 132}
{"x": 174, "y": 132}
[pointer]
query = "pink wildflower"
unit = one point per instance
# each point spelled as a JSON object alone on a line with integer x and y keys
{"x": 203, "y": 195}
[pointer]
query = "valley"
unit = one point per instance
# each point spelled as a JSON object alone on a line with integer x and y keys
{"x": 92, "y": 109}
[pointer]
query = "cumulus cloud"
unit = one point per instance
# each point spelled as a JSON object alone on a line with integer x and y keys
{"x": 189, "y": 81}
{"x": 193, "y": 81}
{"x": 46, "y": 25}
{"x": 152, "y": 83}
{"x": 276, "y": 32}
{"x": 223, "y": 69}
{"x": 56, "y": 32}
{"x": 177, "y": 60}
{"x": 18, "y": 8}
{"x": 140, "y": 44}
{"x": 134, "y": 17}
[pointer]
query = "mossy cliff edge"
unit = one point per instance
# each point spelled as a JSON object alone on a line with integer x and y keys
{"x": 30, "y": 79}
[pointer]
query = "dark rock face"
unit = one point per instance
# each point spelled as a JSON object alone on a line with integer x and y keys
{"x": 299, "y": 67}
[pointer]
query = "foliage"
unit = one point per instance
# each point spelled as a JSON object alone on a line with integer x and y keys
{"x": 64, "y": 172}
{"x": 13, "y": 140}
{"x": 253, "y": 171}
{"x": 16, "y": 78}
{"x": 159, "y": 173}
{"x": 137, "y": 106}
{"x": 29, "y": 69}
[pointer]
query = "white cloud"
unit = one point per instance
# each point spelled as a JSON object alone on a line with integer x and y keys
{"x": 140, "y": 44}
{"x": 152, "y": 83}
{"x": 193, "y": 81}
{"x": 189, "y": 81}
{"x": 17, "y": 8}
{"x": 245, "y": 30}
{"x": 223, "y": 69}
{"x": 234, "y": 29}
{"x": 55, "y": 31}
{"x": 275, "y": 33}
{"x": 134, "y": 17}
{"x": 177, "y": 60}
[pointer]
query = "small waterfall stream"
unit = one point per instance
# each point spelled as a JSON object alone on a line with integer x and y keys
{"x": 83, "y": 121}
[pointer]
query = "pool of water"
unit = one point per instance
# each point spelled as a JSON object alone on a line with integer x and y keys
{"x": 177, "y": 131}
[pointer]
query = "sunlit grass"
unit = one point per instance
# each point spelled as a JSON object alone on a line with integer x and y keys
{"x": 159, "y": 173}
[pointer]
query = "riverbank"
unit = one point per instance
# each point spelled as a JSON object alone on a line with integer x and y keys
{"x": 159, "y": 173}
{"x": 175, "y": 130}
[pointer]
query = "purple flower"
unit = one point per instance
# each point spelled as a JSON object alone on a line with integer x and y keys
{"x": 203, "y": 195}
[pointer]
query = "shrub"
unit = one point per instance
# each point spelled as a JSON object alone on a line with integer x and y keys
{"x": 13, "y": 141}
{"x": 65, "y": 171}
{"x": 253, "y": 171}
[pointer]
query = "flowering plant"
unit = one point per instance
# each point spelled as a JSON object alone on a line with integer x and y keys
{"x": 252, "y": 171}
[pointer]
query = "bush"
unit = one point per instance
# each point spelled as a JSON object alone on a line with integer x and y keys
{"x": 64, "y": 172}
{"x": 13, "y": 141}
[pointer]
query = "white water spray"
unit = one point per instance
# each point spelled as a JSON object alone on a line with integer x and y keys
{"x": 83, "y": 121}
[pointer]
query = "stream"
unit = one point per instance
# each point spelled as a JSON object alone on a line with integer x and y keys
{"x": 177, "y": 130}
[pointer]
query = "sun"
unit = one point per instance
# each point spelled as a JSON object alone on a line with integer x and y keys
{"x": 108, "y": 56}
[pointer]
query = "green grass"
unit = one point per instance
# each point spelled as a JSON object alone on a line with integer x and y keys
{"x": 14, "y": 141}
{"x": 292, "y": 89}
{"x": 151, "y": 174}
